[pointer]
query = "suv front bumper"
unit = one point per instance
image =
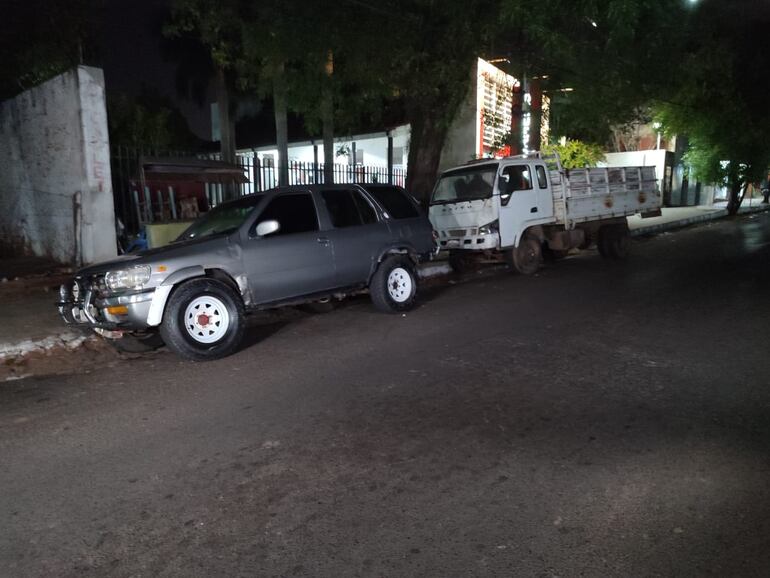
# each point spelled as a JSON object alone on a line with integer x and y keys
{"x": 128, "y": 312}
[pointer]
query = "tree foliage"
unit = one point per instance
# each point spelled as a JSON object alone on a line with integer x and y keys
{"x": 720, "y": 101}
{"x": 40, "y": 39}
{"x": 147, "y": 121}
{"x": 576, "y": 154}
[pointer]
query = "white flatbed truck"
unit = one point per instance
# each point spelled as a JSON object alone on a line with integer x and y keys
{"x": 517, "y": 208}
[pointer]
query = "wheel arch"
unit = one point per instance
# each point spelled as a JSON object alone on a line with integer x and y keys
{"x": 172, "y": 282}
{"x": 401, "y": 249}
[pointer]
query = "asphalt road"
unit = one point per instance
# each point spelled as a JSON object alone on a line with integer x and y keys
{"x": 597, "y": 419}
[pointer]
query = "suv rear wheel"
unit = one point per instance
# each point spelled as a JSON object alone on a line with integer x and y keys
{"x": 204, "y": 319}
{"x": 394, "y": 285}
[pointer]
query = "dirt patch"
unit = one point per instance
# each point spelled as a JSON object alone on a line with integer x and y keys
{"x": 92, "y": 354}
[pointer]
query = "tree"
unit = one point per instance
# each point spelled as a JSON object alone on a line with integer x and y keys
{"x": 40, "y": 39}
{"x": 610, "y": 55}
{"x": 576, "y": 154}
{"x": 216, "y": 25}
{"x": 720, "y": 102}
{"x": 429, "y": 56}
{"x": 147, "y": 121}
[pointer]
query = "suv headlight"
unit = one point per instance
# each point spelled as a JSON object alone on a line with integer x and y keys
{"x": 489, "y": 228}
{"x": 132, "y": 278}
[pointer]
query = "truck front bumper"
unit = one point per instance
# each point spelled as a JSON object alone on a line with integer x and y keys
{"x": 450, "y": 241}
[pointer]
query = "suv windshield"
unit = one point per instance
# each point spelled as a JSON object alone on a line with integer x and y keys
{"x": 225, "y": 218}
{"x": 465, "y": 184}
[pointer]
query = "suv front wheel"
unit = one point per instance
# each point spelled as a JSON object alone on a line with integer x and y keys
{"x": 204, "y": 320}
{"x": 394, "y": 285}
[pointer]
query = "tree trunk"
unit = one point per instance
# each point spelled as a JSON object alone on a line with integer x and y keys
{"x": 425, "y": 146}
{"x": 280, "y": 103}
{"x": 226, "y": 130}
{"x": 736, "y": 198}
{"x": 517, "y": 99}
{"x": 535, "y": 114}
{"x": 327, "y": 121}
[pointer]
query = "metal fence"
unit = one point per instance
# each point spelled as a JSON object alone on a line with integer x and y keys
{"x": 261, "y": 177}
{"x": 264, "y": 176}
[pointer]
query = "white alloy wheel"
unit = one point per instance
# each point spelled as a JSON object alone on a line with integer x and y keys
{"x": 206, "y": 319}
{"x": 399, "y": 285}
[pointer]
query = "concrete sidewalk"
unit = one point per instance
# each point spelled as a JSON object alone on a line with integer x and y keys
{"x": 677, "y": 217}
{"x": 32, "y": 323}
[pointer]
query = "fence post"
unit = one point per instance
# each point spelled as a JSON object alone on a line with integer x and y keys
{"x": 390, "y": 159}
{"x": 353, "y": 157}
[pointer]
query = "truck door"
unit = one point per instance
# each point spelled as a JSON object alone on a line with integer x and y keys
{"x": 519, "y": 202}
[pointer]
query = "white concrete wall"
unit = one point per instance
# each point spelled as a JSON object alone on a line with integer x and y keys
{"x": 650, "y": 158}
{"x": 55, "y": 181}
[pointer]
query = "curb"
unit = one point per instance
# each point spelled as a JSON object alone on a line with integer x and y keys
{"x": 711, "y": 216}
{"x": 660, "y": 227}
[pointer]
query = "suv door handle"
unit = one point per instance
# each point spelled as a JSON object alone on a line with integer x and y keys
{"x": 533, "y": 210}
{"x": 323, "y": 240}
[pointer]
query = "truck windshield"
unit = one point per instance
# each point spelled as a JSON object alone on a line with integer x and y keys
{"x": 465, "y": 184}
{"x": 225, "y": 218}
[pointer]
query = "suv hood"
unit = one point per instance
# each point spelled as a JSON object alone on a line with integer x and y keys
{"x": 186, "y": 250}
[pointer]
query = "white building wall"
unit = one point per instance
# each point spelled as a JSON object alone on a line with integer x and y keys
{"x": 373, "y": 145}
{"x": 55, "y": 181}
{"x": 649, "y": 158}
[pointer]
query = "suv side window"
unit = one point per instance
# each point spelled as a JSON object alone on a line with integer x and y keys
{"x": 541, "y": 180}
{"x": 347, "y": 208}
{"x": 394, "y": 200}
{"x": 294, "y": 211}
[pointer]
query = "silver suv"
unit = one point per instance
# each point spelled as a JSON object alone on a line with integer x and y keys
{"x": 288, "y": 246}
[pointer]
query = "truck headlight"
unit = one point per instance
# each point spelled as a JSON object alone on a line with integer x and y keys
{"x": 132, "y": 278}
{"x": 489, "y": 228}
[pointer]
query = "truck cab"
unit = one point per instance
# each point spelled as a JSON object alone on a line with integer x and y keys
{"x": 470, "y": 203}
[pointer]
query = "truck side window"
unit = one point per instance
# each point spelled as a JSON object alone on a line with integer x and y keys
{"x": 516, "y": 178}
{"x": 541, "y": 180}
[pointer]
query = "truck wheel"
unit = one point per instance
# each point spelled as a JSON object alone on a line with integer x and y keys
{"x": 620, "y": 242}
{"x": 614, "y": 241}
{"x": 394, "y": 285}
{"x": 137, "y": 342}
{"x": 203, "y": 320}
{"x": 527, "y": 257}
{"x": 460, "y": 261}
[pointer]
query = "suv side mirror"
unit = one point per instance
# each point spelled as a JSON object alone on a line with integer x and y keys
{"x": 268, "y": 228}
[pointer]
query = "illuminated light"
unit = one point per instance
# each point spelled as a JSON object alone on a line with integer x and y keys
{"x": 162, "y": 268}
{"x": 117, "y": 310}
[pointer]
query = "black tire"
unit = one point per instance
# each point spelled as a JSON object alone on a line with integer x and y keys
{"x": 602, "y": 241}
{"x": 196, "y": 338}
{"x": 614, "y": 242}
{"x": 620, "y": 243}
{"x": 401, "y": 294}
{"x": 137, "y": 342}
{"x": 460, "y": 261}
{"x": 527, "y": 257}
